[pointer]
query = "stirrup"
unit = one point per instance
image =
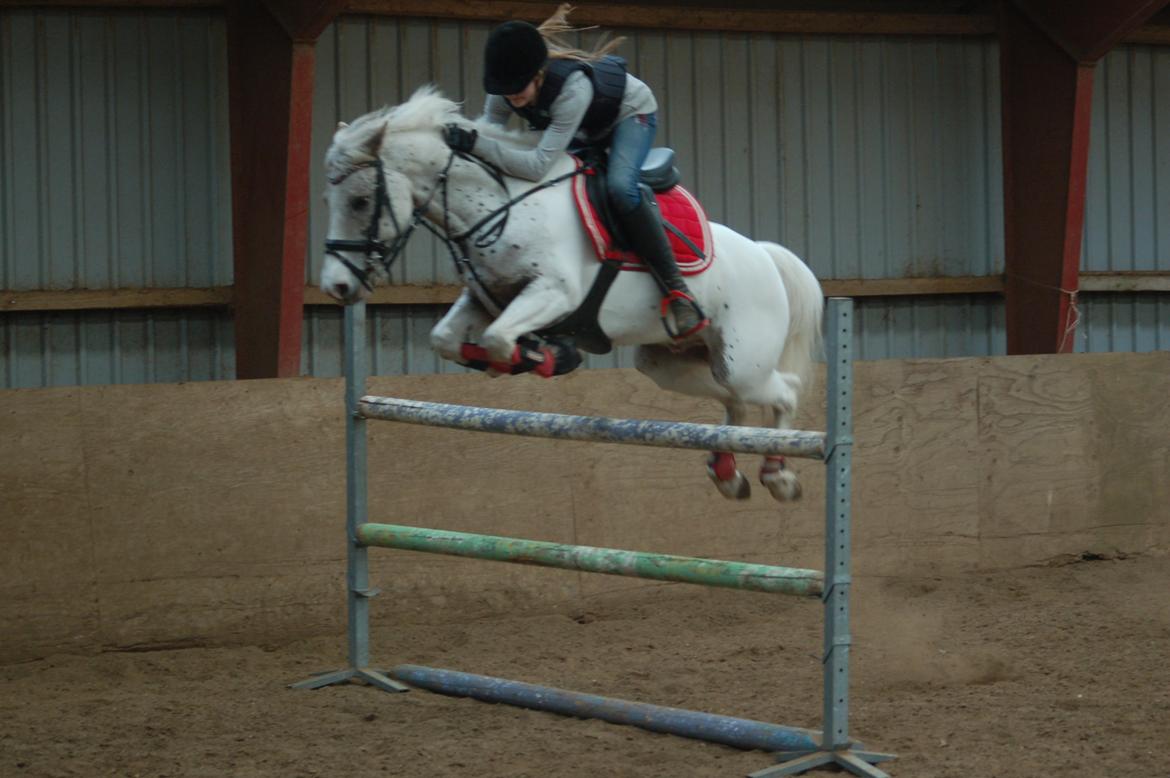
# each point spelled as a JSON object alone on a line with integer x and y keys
{"x": 676, "y": 294}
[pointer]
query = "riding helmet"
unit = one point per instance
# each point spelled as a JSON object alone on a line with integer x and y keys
{"x": 514, "y": 54}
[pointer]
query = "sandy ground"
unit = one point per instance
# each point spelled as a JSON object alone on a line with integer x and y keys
{"x": 1055, "y": 670}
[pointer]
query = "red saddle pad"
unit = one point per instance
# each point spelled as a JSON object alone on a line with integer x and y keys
{"x": 677, "y": 206}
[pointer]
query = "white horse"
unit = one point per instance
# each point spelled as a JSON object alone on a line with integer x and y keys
{"x": 391, "y": 170}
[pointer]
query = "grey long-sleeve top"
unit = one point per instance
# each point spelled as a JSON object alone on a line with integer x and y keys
{"x": 566, "y": 113}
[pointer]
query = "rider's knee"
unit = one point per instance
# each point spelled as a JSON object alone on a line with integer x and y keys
{"x": 625, "y": 199}
{"x": 624, "y": 193}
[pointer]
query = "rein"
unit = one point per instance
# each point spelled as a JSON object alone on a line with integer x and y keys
{"x": 386, "y": 254}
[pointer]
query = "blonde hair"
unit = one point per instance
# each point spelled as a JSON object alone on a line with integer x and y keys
{"x": 554, "y": 27}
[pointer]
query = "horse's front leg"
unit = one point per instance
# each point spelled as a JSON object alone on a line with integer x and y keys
{"x": 464, "y": 323}
{"x": 542, "y": 302}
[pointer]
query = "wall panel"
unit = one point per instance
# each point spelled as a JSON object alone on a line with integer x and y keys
{"x": 113, "y": 173}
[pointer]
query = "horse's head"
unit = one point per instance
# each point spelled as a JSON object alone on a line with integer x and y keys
{"x": 374, "y": 169}
{"x": 365, "y": 201}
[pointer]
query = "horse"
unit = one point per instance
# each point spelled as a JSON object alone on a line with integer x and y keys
{"x": 527, "y": 263}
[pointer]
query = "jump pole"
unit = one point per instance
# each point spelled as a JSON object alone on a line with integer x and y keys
{"x": 713, "y": 728}
{"x": 590, "y": 559}
{"x": 598, "y": 429}
{"x": 834, "y": 447}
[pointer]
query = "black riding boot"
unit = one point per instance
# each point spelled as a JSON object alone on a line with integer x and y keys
{"x": 647, "y": 237}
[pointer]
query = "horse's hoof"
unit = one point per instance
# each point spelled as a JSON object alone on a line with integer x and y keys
{"x": 782, "y": 484}
{"x": 736, "y": 488}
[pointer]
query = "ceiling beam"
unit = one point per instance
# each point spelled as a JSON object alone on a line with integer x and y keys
{"x": 711, "y": 17}
{"x": 305, "y": 20}
{"x": 1088, "y": 29}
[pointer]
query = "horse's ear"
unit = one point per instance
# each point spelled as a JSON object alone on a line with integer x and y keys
{"x": 342, "y": 125}
{"x": 371, "y": 141}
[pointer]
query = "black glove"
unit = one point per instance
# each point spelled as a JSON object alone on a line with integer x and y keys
{"x": 459, "y": 138}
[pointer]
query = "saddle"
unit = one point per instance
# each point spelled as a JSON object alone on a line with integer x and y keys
{"x": 686, "y": 224}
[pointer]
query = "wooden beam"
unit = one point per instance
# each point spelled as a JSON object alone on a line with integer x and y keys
{"x": 305, "y": 20}
{"x": 1125, "y": 283}
{"x": 115, "y": 4}
{"x": 1046, "y": 98}
{"x": 635, "y": 15}
{"x": 902, "y": 287}
{"x": 113, "y": 299}
{"x": 1150, "y": 35}
{"x": 689, "y": 17}
{"x": 15, "y": 301}
{"x": 437, "y": 294}
{"x": 1088, "y": 29}
{"x": 271, "y": 97}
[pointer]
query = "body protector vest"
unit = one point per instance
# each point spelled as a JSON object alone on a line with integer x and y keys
{"x": 608, "y": 76}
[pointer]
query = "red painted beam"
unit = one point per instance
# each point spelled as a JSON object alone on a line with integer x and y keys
{"x": 305, "y": 20}
{"x": 271, "y": 91}
{"x": 1088, "y": 29}
{"x": 1046, "y": 109}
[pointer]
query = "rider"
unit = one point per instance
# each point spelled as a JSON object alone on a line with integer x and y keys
{"x": 587, "y": 97}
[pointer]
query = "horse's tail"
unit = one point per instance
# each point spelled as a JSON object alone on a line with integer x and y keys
{"x": 806, "y": 304}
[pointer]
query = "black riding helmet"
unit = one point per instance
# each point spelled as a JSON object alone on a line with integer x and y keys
{"x": 514, "y": 54}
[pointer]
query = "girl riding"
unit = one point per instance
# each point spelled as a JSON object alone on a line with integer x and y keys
{"x": 579, "y": 98}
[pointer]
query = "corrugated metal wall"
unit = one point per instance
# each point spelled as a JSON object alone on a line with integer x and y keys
{"x": 1127, "y": 210}
{"x": 113, "y": 173}
{"x": 870, "y": 157}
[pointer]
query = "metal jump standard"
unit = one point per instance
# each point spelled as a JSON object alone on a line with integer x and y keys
{"x": 797, "y": 750}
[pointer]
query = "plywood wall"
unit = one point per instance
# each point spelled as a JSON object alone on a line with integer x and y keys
{"x": 189, "y": 514}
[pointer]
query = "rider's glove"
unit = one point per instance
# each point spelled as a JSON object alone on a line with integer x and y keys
{"x": 460, "y": 138}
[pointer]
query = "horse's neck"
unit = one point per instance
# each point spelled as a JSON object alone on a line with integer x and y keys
{"x": 471, "y": 193}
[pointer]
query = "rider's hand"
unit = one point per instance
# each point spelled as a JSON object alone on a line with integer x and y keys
{"x": 459, "y": 138}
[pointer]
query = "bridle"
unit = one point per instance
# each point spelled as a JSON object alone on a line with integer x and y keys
{"x": 379, "y": 251}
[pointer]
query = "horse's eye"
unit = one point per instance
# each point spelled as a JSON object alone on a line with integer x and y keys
{"x": 359, "y": 203}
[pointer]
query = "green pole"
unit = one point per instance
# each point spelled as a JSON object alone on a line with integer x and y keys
{"x": 609, "y": 561}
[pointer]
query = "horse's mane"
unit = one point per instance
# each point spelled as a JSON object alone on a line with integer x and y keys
{"x": 426, "y": 109}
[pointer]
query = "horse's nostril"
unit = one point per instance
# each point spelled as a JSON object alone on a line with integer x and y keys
{"x": 341, "y": 290}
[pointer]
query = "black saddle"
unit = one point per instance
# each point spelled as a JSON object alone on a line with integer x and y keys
{"x": 659, "y": 171}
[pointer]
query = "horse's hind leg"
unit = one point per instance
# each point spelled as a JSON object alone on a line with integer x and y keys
{"x": 730, "y": 482}
{"x": 690, "y": 373}
{"x": 757, "y": 382}
{"x": 774, "y": 473}
{"x": 777, "y": 394}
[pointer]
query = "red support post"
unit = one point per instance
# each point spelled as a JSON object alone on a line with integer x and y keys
{"x": 270, "y": 67}
{"x": 1047, "y": 52}
{"x": 1046, "y": 110}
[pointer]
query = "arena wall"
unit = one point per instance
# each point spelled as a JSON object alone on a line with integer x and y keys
{"x": 141, "y": 517}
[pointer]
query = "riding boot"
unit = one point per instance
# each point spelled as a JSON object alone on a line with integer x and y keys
{"x": 647, "y": 237}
